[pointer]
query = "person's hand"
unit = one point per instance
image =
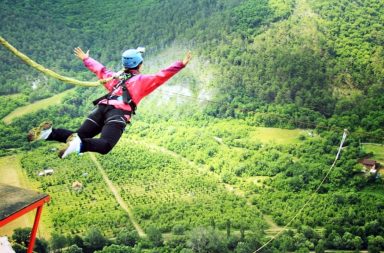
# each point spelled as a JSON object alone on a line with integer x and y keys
{"x": 80, "y": 53}
{"x": 187, "y": 58}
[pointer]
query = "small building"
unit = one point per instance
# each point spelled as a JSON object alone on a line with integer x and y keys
{"x": 370, "y": 166}
{"x": 46, "y": 172}
{"x": 77, "y": 186}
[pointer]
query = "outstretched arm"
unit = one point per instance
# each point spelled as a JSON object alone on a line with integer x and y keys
{"x": 80, "y": 53}
{"x": 151, "y": 82}
{"x": 94, "y": 66}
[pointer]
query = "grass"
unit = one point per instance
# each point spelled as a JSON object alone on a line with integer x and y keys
{"x": 276, "y": 135}
{"x": 257, "y": 180}
{"x": 264, "y": 135}
{"x": 377, "y": 150}
{"x": 12, "y": 174}
{"x": 34, "y": 107}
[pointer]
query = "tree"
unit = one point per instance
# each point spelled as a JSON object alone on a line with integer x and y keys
{"x": 320, "y": 247}
{"x": 128, "y": 238}
{"x": 334, "y": 240}
{"x": 178, "y": 230}
{"x": 375, "y": 244}
{"x": 155, "y": 236}
{"x": 232, "y": 242}
{"x": 41, "y": 246}
{"x": 373, "y": 228}
{"x": 357, "y": 242}
{"x": 116, "y": 249}
{"x": 18, "y": 248}
{"x": 73, "y": 249}
{"x": 78, "y": 241}
{"x": 242, "y": 232}
{"x": 213, "y": 223}
{"x": 94, "y": 240}
{"x": 242, "y": 247}
{"x": 21, "y": 235}
{"x": 206, "y": 240}
{"x": 58, "y": 242}
{"x": 228, "y": 226}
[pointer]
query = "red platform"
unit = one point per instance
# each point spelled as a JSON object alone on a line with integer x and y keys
{"x": 15, "y": 202}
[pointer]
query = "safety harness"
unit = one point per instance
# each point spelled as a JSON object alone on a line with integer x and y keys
{"x": 127, "y": 99}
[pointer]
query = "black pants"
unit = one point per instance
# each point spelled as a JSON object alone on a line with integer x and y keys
{"x": 105, "y": 119}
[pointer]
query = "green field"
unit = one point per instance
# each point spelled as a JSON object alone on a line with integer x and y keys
{"x": 34, "y": 107}
{"x": 279, "y": 135}
{"x": 165, "y": 191}
{"x": 93, "y": 205}
{"x": 221, "y": 145}
{"x": 377, "y": 150}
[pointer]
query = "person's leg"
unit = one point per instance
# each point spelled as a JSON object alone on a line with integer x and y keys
{"x": 90, "y": 127}
{"x": 93, "y": 124}
{"x": 45, "y": 132}
{"x": 59, "y": 134}
{"x": 110, "y": 134}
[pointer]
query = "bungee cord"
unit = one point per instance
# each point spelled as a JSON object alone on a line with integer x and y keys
{"x": 46, "y": 71}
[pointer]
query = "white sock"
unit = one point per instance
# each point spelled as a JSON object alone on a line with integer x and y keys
{"x": 45, "y": 134}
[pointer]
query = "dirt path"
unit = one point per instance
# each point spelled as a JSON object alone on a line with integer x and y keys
{"x": 118, "y": 197}
{"x": 273, "y": 227}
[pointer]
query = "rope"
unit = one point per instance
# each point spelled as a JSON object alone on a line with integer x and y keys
{"x": 312, "y": 195}
{"x": 46, "y": 71}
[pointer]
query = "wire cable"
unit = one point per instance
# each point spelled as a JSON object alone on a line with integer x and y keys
{"x": 312, "y": 195}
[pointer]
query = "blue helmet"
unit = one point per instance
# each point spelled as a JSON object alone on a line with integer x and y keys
{"x": 131, "y": 58}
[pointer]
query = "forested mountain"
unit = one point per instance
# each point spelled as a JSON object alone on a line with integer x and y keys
{"x": 192, "y": 164}
{"x": 322, "y": 56}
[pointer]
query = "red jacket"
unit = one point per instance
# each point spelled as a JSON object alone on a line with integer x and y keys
{"x": 138, "y": 86}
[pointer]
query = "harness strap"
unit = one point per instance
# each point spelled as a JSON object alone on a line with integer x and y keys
{"x": 127, "y": 99}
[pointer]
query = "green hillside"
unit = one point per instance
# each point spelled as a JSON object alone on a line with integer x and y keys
{"x": 276, "y": 52}
{"x": 229, "y": 150}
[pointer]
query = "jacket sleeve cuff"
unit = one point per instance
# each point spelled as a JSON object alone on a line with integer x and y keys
{"x": 85, "y": 59}
{"x": 180, "y": 64}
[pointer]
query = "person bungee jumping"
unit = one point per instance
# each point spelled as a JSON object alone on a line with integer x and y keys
{"x": 114, "y": 110}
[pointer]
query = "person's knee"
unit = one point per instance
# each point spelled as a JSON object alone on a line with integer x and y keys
{"x": 106, "y": 148}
